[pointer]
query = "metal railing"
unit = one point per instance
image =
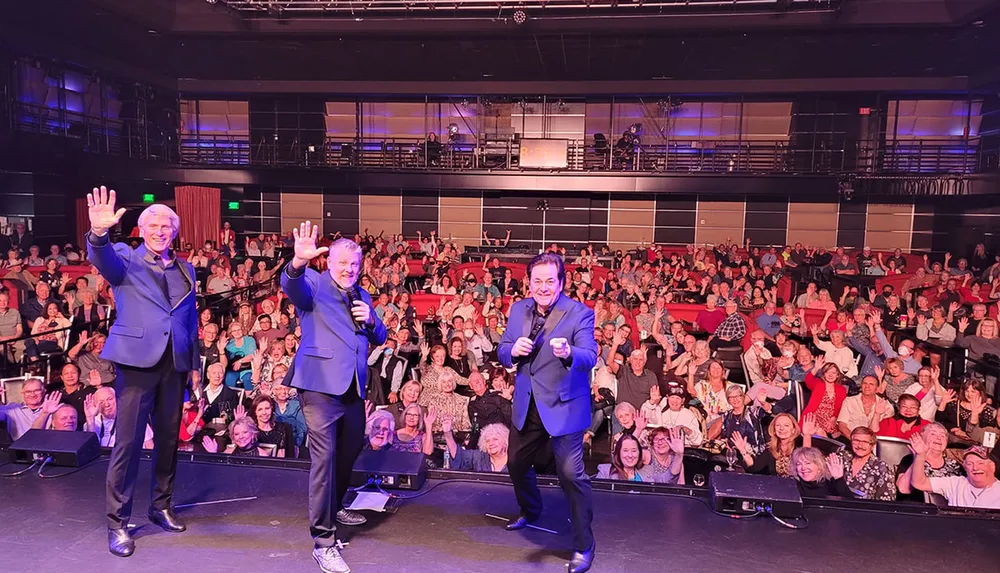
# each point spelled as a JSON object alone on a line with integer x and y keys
{"x": 502, "y": 151}
{"x": 265, "y": 8}
{"x": 689, "y": 156}
{"x": 96, "y": 134}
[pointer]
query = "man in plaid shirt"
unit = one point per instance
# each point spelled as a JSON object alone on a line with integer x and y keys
{"x": 731, "y": 331}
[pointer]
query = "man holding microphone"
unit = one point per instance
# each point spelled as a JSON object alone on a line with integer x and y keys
{"x": 550, "y": 339}
{"x": 330, "y": 371}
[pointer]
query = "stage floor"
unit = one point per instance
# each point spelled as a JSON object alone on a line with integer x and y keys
{"x": 57, "y": 525}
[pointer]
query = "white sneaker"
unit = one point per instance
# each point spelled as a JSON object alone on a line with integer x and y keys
{"x": 330, "y": 561}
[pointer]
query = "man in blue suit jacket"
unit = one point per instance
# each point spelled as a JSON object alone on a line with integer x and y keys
{"x": 330, "y": 370}
{"x": 154, "y": 345}
{"x": 550, "y": 339}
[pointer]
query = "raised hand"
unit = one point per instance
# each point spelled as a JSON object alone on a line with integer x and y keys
{"x": 921, "y": 318}
{"x": 836, "y": 465}
{"x": 677, "y": 440}
{"x": 809, "y": 424}
{"x": 369, "y": 408}
{"x": 257, "y": 359}
{"x": 504, "y": 389}
{"x": 210, "y": 445}
{"x": 740, "y": 443}
{"x": 948, "y": 397}
{"x": 52, "y": 403}
{"x": 963, "y": 323}
{"x": 90, "y": 409}
{"x": 918, "y": 445}
{"x": 101, "y": 208}
{"x": 446, "y": 424}
{"x": 240, "y": 412}
{"x": 305, "y": 244}
{"x": 94, "y": 378}
{"x": 879, "y": 372}
{"x": 881, "y": 407}
{"x": 640, "y": 424}
{"x": 976, "y": 404}
{"x": 429, "y": 418}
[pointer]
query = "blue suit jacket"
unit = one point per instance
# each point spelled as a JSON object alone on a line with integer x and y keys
{"x": 561, "y": 387}
{"x": 332, "y": 353}
{"x": 145, "y": 319}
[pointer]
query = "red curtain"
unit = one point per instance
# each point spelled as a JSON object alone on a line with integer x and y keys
{"x": 200, "y": 210}
{"x": 82, "y": 221}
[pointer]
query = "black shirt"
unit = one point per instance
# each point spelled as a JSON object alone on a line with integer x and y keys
{"x": 490, "y": 408}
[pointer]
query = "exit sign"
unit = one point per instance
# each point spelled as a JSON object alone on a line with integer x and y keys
{"x": 234, "y": 206}
{"x": 148, "y": 198}
{"x": 865, "y": 111}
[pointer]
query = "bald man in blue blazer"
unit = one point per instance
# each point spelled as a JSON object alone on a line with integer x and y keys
{"x": 330, "y": 371}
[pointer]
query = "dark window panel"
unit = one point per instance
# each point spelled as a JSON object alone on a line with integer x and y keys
{"x": 674, "y": 235}
{"x": 271, "y": 209}
{"x": 675, "y": 219}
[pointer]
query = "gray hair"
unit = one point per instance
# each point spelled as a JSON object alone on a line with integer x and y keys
{"x": 160, "y": 209}
{"x": 625, "y": 407}
{"x": 346, "y": 244}
{"x": 377, "y": 417}
{"x": 498, "y": 431}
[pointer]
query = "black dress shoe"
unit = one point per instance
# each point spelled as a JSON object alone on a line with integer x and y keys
{"x": 120, "y": 542}
{"x": 521, "y": 522}
{"x": 166, "y": 519}
{"x": 582, "y": 561}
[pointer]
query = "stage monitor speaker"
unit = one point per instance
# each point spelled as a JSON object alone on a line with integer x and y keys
{"x": 396, "y": 470}
{"x": 745, "y": 494}
{"x": 69, "y": 449}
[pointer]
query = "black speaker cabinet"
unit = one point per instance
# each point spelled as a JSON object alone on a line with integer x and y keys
{"x": 744, "y": 494}
{"x": 71, "y": 449}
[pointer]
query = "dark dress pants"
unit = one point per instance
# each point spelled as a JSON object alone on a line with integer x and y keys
{"x": 526, "y": 451}
{"x": 141, "y": 393}
{"x": 336, "y": 434}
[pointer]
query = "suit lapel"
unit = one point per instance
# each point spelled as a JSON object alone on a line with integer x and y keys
{"x": 552, "y": 321}
{"x": 529, "y": 309}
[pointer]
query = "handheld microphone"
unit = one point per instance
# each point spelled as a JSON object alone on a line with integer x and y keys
{"x": 354, "y": 295}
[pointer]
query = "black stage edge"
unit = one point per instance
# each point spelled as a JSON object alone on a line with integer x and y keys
{"x": 58, "y": 525}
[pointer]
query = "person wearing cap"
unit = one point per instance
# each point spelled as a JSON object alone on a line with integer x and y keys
{"x": 679, "y": 415}
{"x": 978, "y": 488}
{"x": 866, "y": 260}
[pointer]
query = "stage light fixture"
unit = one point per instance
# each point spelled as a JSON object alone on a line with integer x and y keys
{"x": 635, "y": 129}
{"x": 520, "y": 17}
{"x": 452, "y": 129}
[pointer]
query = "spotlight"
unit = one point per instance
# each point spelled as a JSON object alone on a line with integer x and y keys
{"x": 542, "y": 205}
{"x": 635, "y": 129}
{"x": 452, "y": 129}
{"x": 520, "y": 17}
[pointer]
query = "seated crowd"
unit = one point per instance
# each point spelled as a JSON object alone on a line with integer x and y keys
{"x": 809, "y": 388}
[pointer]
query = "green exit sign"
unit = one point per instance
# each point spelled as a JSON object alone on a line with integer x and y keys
{"x": 234, "y": 206}
{"x": 148, "y": 198}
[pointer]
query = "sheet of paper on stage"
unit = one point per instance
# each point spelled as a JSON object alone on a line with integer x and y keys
{"x": 369, "y": 500}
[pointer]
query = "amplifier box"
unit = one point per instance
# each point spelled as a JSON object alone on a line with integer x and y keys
{"x": 69, "y": 449}
{"x": 396, "y": 470}
{"x": 743, "y": 494}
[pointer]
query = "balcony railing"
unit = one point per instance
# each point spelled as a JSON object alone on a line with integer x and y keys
{"x": 701, "y": 156}
{"x": 502, "y": 151}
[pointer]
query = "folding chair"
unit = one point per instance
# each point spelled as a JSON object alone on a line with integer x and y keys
{"x": 11, "y": 389}
{"x": 891, "y": 450}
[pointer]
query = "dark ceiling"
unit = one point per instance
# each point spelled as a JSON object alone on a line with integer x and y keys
{"x": 191, "y": 40}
